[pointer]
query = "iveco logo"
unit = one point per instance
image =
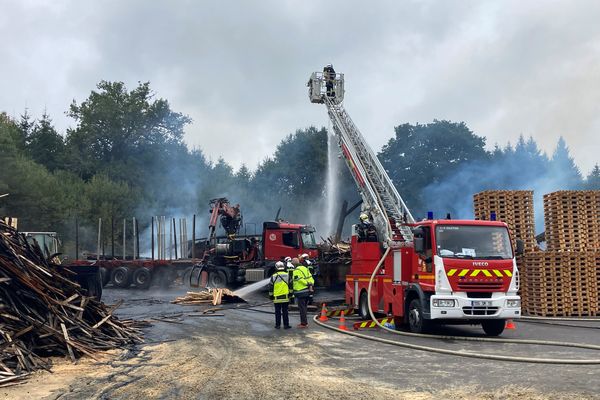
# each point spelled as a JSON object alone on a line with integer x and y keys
{"x": 480, "y": 264}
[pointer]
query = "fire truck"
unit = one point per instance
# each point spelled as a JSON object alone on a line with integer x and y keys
{"x": 434, "y": 271}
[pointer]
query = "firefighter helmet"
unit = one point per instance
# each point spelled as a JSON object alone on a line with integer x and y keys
{"x": 287, "y": 259}
{"x": 364, "y": 217}
{"x": 303, "y": 256}
{"x": 279, "y": 266}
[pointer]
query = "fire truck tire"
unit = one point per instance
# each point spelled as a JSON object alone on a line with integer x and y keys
{"x": 121, "y": 277}
{"x": 142, "y": 277}
{"x": 416, "y": 322}
{"x": 493, "y": 327}
{"x": 104, "y": 276}
{"x": 363, "y": 306}
{"x": 217, "y": 279}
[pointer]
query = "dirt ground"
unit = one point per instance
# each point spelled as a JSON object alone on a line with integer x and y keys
{"x": 241, "y": 356}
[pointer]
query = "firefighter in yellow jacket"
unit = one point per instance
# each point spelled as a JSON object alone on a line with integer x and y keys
{"x": 303, "y": 288}
{"x": 280, "y": 293}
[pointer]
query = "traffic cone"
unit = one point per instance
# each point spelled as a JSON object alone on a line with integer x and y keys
{"x": 323, "y": 316}
{"x": 510, "y": 324}
{"x": 342, "y": 322}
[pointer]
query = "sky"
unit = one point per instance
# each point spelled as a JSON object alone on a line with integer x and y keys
{"x": 239, "y": 68}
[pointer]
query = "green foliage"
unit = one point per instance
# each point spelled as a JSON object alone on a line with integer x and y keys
{"x": 121, "y": 133}
{"x": 44, "y": 145}
{"x": 592, "y": 182}
{"x": 421, "y": 155}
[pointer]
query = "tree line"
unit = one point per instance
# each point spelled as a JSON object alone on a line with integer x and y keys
{"x": 126, "y": 157}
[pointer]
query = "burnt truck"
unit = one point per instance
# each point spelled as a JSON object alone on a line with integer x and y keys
{"x": 232, "y": 260}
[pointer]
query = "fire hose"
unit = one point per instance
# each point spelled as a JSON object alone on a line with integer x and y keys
{"x": 463, "y": 338}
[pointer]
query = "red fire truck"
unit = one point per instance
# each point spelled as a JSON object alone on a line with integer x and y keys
{"x": 426, "y": 272}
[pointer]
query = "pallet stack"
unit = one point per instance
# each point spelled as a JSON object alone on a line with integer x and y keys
{"x": 515, "y": 207}
{"x": 565, "y": 279}
{"x": 572, "y": 220}
{"x": 560, "y": 283}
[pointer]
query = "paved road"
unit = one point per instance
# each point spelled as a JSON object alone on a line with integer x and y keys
{"x": 240, "y": 355}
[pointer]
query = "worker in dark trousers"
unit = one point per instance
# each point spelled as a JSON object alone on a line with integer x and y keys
{"x": 289, "y": 268}
{"x": 280, "y": 293}
{"x": 329, "y": 76}
{"x": 303, "y": 287}
{"x": 304, "y": 260}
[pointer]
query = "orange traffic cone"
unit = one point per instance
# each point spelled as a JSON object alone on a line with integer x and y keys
{"x": 342, "y": 322}
{"x": 510, "y": 324}
{"x": 323, "y": 316}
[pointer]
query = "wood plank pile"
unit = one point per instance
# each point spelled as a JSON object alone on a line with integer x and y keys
{"x": 564, "y": 280}
{"x": 44, "y": 313}
{"x": 515, "y": 207}
{"x": 572, "y": 220}
{"x": 212, "y": 296}
{"x": 334, "y": 252}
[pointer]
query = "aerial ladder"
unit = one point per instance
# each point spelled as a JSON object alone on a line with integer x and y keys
{"x": 380, "y": 198}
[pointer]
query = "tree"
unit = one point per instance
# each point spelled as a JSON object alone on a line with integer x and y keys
{"x": 422, "y": 155}
{"x": 125, "y": 135}
{"x": 44, "y": 145}
{"x": 592, "y": 182}
{"x": 562, "y": 168}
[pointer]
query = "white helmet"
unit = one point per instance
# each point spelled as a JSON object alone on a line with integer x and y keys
{"x": 287, "y": 259}
{"x": 304, "y": 256}
{"x": 279, "y": 266}
{"x": 364, "y": 217}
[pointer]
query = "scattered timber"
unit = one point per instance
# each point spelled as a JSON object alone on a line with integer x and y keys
{"x": 211, "y": 296}
{"x": 44, "y": 313}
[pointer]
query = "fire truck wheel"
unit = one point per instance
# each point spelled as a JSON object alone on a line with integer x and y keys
{"x": 217, "y": 279}
{"x": 415, "y": 317}
{"x": 363, "y": 306}
{"x": 142, "y": 277}
{"x": 493, "y": 327}
{"x": 121, "y": 277}
{"x": 104, "y": 276}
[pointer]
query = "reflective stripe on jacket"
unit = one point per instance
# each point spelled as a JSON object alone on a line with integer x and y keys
{"x": 280, "y": 289}
{"x": 302, "y": 279}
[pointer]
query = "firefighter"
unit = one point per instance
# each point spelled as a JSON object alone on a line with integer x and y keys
{"x": 304, "y": 260}
{"x": 289, "y": 268}
{"x": 366, "y": 229}
{"x": 303, "y": 287}
{"x": 329, "y": 75}
{"x": 279, "y": 291}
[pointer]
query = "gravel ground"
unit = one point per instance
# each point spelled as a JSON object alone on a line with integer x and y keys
{"x": 240, "y": 355}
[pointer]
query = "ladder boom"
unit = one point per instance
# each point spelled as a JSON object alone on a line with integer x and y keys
{"x": 380, "y": 197}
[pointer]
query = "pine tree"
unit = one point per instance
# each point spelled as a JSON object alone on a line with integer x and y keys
{"x": 562, "y": 167}
{"x": 592, "y": 182}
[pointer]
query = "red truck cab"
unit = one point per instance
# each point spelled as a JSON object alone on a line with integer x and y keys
{"x": 282, "y": 239}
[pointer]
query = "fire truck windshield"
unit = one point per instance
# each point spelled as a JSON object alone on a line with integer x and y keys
{"x": 473, "y": 242}
{"x": 308, "y": 240}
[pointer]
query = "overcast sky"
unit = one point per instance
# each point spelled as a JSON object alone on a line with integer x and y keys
{"x": 239, "y": 68}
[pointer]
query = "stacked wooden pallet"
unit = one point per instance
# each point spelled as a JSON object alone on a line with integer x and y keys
{"x": 572, "y": 220}
{"x": 560, "y": 283}
{"x": 565, "y": 279}
{"x": 515, "y": 207}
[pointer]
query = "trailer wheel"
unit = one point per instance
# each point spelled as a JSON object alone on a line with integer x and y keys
{"x": 142, "y": 277}
{"x": 416, "y": 321}
{"x": 217, "y": 279}
{"x": 104, "y": 276}
{"x": 187, "y": 277}
{"x": 363, "y": 306}
{"x": 493, "y": 327}
{"x": 121, "y": 277}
